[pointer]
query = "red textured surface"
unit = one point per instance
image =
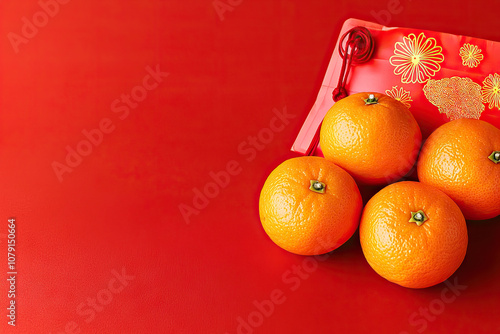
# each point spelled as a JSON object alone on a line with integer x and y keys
{"x": 119, "y": 208}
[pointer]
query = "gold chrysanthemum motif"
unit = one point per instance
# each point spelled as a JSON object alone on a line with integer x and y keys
{"x": 471, "y": 55}
{"x": 400, "y": 94}
{"x": 490, "y": 92}
{"x": 456, "y": 97}
{"x": 416, "y": 59}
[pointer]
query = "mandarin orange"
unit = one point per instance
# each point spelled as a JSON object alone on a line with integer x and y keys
{"x": 413, "y": 234}
{"x": 309, "y": 206}
{"x": 462, "y": 159}
{"x": 372, "y": 136}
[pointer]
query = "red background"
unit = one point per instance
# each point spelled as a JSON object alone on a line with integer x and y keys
{"x": 119, "y": 209}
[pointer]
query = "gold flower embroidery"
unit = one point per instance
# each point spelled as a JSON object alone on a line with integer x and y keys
{"x": 490, "y": 92}
{"x": 456, "y": 97}
{"x": 416, "y": 58}
{"x": 471, "y": 55}
{"x": 401, "y": 95}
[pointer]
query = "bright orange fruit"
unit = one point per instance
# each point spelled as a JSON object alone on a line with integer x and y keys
{"x": 309, "y": 206}
{"x": 462, "y": 159}
{"x": 413, "y": 234}
{"x": 376, "y": 140}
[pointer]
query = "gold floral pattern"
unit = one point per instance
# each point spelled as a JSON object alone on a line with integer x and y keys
{"x": 456, "y": 97}
{"x": 490, "y": 92}
{"x": 416, "y": 59}
{"x": 471, "y": 55}
{"x": 401, "y": 95}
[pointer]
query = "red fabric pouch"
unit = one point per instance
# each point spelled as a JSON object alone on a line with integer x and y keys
{"x": 439, "y": 76}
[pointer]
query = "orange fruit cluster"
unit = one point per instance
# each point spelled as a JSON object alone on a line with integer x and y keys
{"x": 412, "y": 233}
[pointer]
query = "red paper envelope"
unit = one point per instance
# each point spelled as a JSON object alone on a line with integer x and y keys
{"x": 439, "y": 76}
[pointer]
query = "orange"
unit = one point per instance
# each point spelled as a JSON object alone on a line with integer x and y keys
{"x": 413, "y": 234}
{"x": 309, "y": 206}
{"x": 462, "y": 159}
{"x": 376, "y": 140}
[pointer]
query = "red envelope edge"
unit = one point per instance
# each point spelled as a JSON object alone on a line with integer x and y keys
{"x": 459, "y": 77}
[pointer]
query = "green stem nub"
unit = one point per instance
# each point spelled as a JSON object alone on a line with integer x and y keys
{"x": 317, "y": 186}
{"x": 371, "y": 99}
{"x": 495, "y": 156}
{"x": 418, "y": 217}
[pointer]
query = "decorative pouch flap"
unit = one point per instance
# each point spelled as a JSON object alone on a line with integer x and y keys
{"x": 439, "y": 76}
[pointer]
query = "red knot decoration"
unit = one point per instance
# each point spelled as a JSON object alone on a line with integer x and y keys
{"x": 356, "y": 47}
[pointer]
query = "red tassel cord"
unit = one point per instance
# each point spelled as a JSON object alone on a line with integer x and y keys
{"x": 356, "y": 50}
